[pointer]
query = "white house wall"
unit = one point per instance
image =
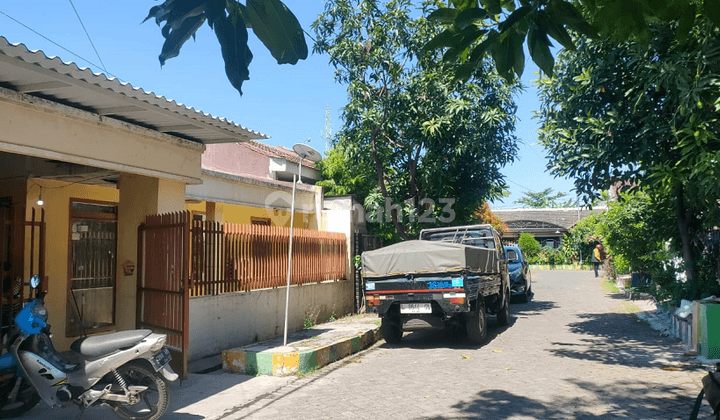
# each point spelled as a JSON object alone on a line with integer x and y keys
{"x": 230, "y": 320}
{"x": 36, "y": 127}
{"x": 247, "y": 192}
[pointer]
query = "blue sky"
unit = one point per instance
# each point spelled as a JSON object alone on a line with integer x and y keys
{"x": 285, "y": 102}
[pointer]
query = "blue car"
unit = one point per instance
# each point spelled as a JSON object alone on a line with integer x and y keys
{"x": 520, "y": 278}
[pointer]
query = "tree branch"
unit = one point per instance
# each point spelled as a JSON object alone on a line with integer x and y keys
{"x": 381, "y": 179}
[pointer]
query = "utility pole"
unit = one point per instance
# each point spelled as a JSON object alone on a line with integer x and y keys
{"x": 327, "y": 133}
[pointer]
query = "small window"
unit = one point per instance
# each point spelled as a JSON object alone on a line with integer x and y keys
{"x": 261, "y": 221}
{"x": 512, "y": 255}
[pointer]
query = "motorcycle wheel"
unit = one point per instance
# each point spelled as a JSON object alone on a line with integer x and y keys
{"x": 153, "y": 401}
{"x": 26, "y": 399}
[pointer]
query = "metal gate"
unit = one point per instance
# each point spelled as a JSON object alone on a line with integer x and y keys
{"x": 363, "y": 242}
{"x": 18, "y": 234}
{"x": 163, "y": 286}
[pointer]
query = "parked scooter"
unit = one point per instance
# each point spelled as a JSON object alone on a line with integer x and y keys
{"x": 127, "y": 371}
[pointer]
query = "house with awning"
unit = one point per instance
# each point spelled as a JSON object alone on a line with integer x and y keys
{"x": 104, "y": 194}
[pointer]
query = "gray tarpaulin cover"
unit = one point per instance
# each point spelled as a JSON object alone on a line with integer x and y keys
{"x": 418, "y": 257}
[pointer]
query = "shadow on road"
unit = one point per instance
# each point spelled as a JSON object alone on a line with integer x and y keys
{"x": 617, "y": 339}
{"x": 626, "y": 399}
{"x": 455, "y": 339}
{"x": 447, "y": 338}
{"x": 534, "y": 307}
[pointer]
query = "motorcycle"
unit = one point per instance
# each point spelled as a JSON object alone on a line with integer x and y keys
{"x": 127, "y": 371}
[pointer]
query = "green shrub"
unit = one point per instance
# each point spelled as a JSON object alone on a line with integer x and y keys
{"x": 549, "y": 256}
{"x": 665, "y": 285}
{"x": 529, "y": 246}
{"x": 568, "y": 253}
{"x": 622, "y": 265}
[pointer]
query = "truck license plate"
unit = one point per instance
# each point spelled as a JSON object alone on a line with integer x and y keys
{"x": 415, "y": 308}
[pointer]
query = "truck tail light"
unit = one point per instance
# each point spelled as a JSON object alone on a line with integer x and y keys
{"x": 457, "y": 300}
{"x": 373, "y": 301}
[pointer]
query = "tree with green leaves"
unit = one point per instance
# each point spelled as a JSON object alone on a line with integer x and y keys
{"x": 637, "y": 227}
{"x": 433, "y": 146}
{"x": 545, "y": 199}
{"x": 271, "y": 21}
{"x": 502, "y": 28}
{"x": 642, "y": 116}
{"x": 585, "y": 235}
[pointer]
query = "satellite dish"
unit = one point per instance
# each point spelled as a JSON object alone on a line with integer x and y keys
{"x": 307, "y": 152}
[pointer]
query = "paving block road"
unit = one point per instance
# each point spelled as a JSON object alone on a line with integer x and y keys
{"x": 573, "y": 352}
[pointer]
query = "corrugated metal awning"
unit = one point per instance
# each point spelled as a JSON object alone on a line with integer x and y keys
{"x": 34, "y": 73}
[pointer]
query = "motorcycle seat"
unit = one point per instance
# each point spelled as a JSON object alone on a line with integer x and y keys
{"x": 109, "y": 343}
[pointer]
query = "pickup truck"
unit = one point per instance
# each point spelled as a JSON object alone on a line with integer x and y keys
{"x": 449, "y": 278}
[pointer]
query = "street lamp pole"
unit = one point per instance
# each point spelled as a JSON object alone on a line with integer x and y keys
{"x": 305, "y": 152}
{"x": 289, "y": 265}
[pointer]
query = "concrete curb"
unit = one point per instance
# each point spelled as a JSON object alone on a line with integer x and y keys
{"x": 268, "y": 362}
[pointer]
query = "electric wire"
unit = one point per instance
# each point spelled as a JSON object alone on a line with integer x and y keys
{"x": 58, "y": 45}
{"x": 69, "y": 183}
{"x": 521, "y": 186}
{"x": 88, "y": 36}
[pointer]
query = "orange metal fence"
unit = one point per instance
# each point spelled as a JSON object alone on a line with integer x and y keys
{"x": 231, "y": 257}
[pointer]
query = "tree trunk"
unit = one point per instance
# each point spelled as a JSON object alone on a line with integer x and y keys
{"x": 684, "y": 218}
{"x": 412, "y": 165}
{"x": 402, "y": 232}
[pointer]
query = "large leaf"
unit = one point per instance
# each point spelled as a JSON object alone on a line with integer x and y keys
{"x": 464, "y": 39}
{"x": 177, "y": 37}
{"x": 566, "y": 14}
{"x": 233, "y": 36}
{"x": 539, "y": 47}
{"x": 685, "y": 24}
{"x": 492, "y": 6}
{"x": 446, "y": 38}
{"x": 711, "y": 9}
{"x": 478, "y": 52}
{"x": 558, "y": 32}
{"x": 443, "y": 15}
{"x": 518, "y": 40}
{"x": 470, "y": 16}
{"x": 503, "y": 54}
{"x": 278, "y": 29}
{"x": 514, "y": 17}
{"x": 464, "y": 4}
{"x": 182, "y": 19}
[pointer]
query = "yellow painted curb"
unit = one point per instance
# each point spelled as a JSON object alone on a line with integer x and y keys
{"x": 283, "y": 364}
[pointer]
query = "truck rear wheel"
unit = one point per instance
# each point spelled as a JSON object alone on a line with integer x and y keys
{"x": 391, "y": 331}
{"x": 503, "y": 314}
{"x": 475, "y": 324}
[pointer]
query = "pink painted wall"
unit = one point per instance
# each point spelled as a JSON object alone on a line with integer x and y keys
{"x": 235, "y": 159}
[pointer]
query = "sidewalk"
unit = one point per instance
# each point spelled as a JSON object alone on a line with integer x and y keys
{"x": 211, "y": 393}
{"x": 306, "y": 350}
